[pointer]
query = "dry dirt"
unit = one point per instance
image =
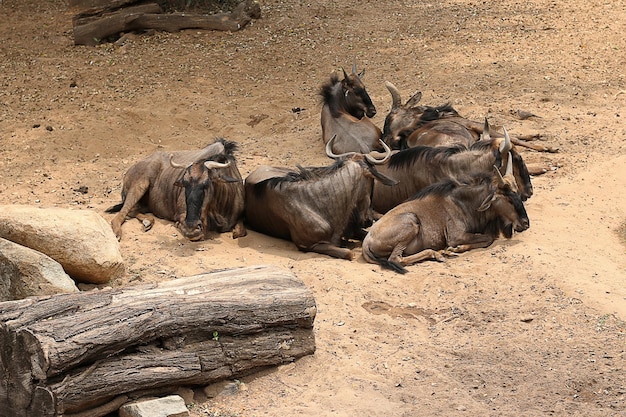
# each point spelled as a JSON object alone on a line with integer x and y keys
{"x": 530, "y": 326}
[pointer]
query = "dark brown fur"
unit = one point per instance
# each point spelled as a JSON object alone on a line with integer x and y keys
{"x": 451, "y": 215}
{"x": 346, "y": 113}
{"x": 316, "y": 208}
{"x": 198, "y": 199}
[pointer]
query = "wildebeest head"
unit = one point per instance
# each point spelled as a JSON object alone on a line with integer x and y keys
{"x": 199, "y": 180}
{"x": 348, "y": 95}
{"x": 506, "y": 202}
{"x": 403, "y": 119}
{"x": 358, "y": 102}
{"x": 400, "y": 116}
{"x": 507, "y": 153}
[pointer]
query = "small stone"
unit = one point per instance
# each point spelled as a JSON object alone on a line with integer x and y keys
{"x": 170, "y": 406}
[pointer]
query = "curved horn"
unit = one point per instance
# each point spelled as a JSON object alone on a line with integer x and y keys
{"x": 345, "y": 74}
{"x": 396, "y": 100}
{"x": 375, "y": 161}
{"x": 176, "y": 165}
{"x": 486, "y": 131}
{"x": 500, "y": 177}
{"x": 509, "y": 165}
{"x": 215, "y": 164}
{"x": 505, "y": 146}
{"x": 329, "y": 150}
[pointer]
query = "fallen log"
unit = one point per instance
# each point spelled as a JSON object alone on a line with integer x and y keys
{"x": 94, "y": 24}
{"x": 72, "y": 353}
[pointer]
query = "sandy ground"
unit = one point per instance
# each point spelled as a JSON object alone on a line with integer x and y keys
{"x": 529, "y": 326}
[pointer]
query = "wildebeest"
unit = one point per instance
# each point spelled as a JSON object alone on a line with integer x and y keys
{"x": 316, "y": 208}
{"x": 452, "y": 216}
{"x": 346, "y": 109}
{"x": 419, "y": 167}
{"x": 411, "y": 125}
{"x": 201, "y": 190}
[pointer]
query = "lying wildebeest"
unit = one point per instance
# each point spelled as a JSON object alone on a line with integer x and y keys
{"x": 412, "y": 125}
{"x": 419, "y": 167}
{"x": 201, "y": 190}
{"x": 316, "y": 208}
{"x": 451, "y": 216}
{"x": 346, "y": 109}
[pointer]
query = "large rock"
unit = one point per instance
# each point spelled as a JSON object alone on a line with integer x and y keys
{"x": 80, "y": 240}
{"x": 25, "y": 272}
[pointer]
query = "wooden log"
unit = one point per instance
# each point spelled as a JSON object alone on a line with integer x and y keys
{"x": 90, "y": 29}
{"x": 74, "y": 352}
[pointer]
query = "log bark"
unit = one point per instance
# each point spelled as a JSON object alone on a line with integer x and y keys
{"x": 69, "y": 353}
{"x": 102, "y": 21}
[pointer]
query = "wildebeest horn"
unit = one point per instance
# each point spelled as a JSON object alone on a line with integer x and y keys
{"x": 354, "y": 68}
{"x": 486, "y": 131}
{"x": 215, "y": 164}
{"x": 174, "y": 164}
{"x": 505, "y": 146}
{"x": 329, "y": 150}
{"x": 509, "y": 169}
{"x": 345, "y": 74}
{"x": 396, "y": 99}
{"x": 500, "y": 177}
{"x": 509, "y": 165}
{"x": 375, "y": 161}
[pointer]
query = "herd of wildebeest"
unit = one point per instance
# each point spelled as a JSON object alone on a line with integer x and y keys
{"x": 431, "y": 184}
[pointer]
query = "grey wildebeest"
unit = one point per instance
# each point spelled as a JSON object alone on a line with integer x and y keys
{"x": 346, "y": 109}
{"x": 201, "y": 190}
{"x": 408, "y": 125}
{"x": 316, "y": 208}
{"x": 451, "y": 216}
{"x": 421, "y": 166}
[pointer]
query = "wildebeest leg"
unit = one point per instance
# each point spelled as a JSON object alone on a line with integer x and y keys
{"x": 239, "y": 230}
{"x": 131, "y": 199}
{"x": 470, "y": 241}
{"x": 327, "y": 248}
{"x": 425, "y": 255}
{"x": 147, "y": 220}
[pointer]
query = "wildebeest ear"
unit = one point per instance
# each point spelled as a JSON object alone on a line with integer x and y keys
{"x": 487, "y": 203}
{"x": 412, "y": 102}
{"x": 361, "y": 74}
{"x": 227, "y": 178}
{"x": 383, "y": 178}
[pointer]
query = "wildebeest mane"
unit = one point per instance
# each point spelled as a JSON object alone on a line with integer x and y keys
{"x": 408, "y": 156}
{"x": 327, "y": 89}
{"x": 229, "y": 146}
{"x": 303, "y": 174}
{"x": 327, "y": 93}
{"x": 447, "y": 186}
{"x": 440, "y": 188}
{"x": 434, "y": 113}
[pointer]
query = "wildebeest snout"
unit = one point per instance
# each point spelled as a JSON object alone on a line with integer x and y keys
{"x": 522, "y": 224}
{"x": 192, "y": 230}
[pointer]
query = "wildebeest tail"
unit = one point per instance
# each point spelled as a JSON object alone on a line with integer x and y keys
{"x": 115, "y": 208}
{"x": 394, "y": 266}
{"x": 385, "y": 263}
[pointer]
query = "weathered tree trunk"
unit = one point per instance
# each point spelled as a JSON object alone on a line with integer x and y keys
{"x": 100, "y": 19}
{"x": 69, "y": 353}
